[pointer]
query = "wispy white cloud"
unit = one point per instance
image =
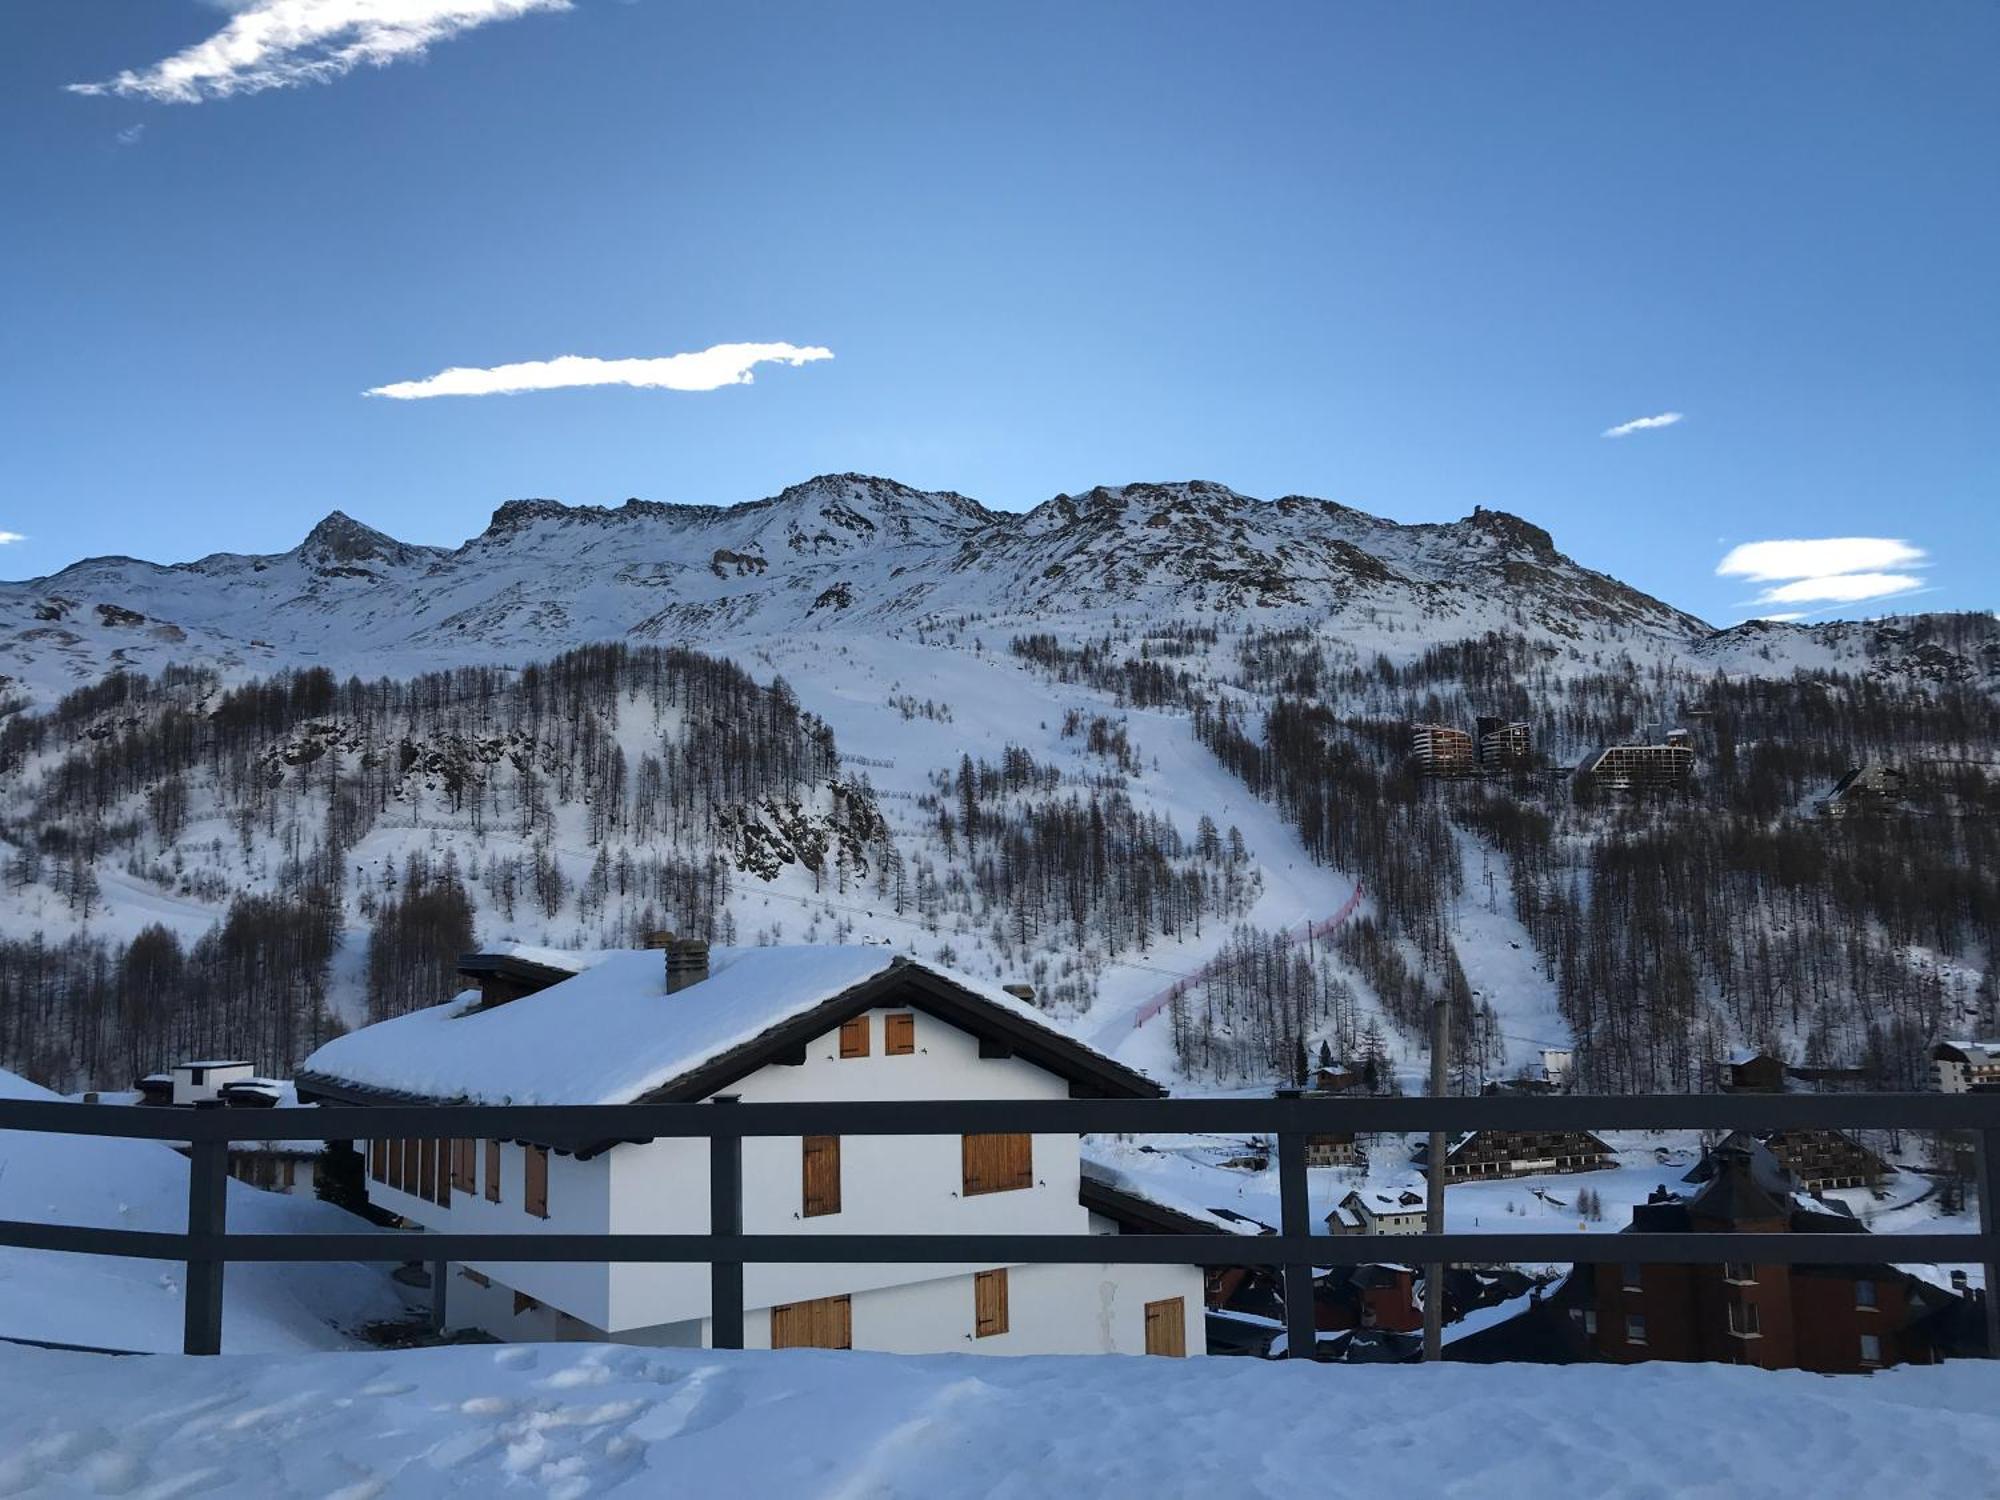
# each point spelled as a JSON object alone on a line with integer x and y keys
{"x": 11, "y": 536}
{"x": 1643, "y": 424}
{"x": 1816, "y": 557}
{"x": 1841, "y": 588}
{"x": 276, "y": 44}
{"x": 1782, "y": 615}
{"x": 703, "y": 370}
{"x": 1829, "y": 569}
{"x": 131, "y": 135}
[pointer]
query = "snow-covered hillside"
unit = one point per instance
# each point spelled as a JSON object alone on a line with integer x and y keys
{"x": 116, "y": 1303}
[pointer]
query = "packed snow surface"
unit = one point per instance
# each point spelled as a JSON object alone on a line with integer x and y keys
{"x": 116, "y": 1302}
{"x": 568, "y": 1421}
{"x": 612, "y": 1033}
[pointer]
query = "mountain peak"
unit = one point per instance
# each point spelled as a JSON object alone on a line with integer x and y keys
{"x": 1511, "y": 531}
{"x": 341, "y": 538}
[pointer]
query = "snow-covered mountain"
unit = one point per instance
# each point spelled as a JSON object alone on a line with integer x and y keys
{"x": 1128, "y": 738}
{"x": 842, "y": 551}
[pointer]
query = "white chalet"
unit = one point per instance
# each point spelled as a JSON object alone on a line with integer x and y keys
{"x": 1963, "y": 1067}
{"x": 1396, "y": 1210}
{"x": 779, "y": 1024}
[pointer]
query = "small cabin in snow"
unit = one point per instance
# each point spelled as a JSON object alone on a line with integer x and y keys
{"x": 778, "y": 1024}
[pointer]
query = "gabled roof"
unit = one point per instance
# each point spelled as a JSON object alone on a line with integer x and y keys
{"x": 613, "y": 1035}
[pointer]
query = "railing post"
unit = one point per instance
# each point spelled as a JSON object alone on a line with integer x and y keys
{"x": 439, "y": 1312}
{"x": 207, "y": 1219}
{"x": 725, "y": 1217}
{"x": 1988, "y": 1166}
{"x": 1294, "y": 1220}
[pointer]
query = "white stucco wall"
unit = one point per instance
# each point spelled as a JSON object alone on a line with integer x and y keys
{"x": 889, "y": 1184}
{"x": 579, "y": 1203}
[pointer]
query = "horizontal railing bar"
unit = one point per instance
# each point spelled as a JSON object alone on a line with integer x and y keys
{"x": 1019, "y": 1249}
{"x": 594, "y": 1124}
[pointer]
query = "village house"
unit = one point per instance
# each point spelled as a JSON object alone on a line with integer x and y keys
{"x": 1963, "y": 1067}
{"x": 1828, "y": 1318}
{"x": 779, "y": 1024}
{"x": 1819, "y": 1159}
{"x": 1749, "y": 1071}
{"x": 1440, "y": 750}
{"x": 277, "y": 1166}
{"x": 1635, "y": 767}
{"x": 1863, "y": 789}
{"x": 1332, "y": 1148}
{"x": 1504, "y": 744}
{"x": 1519, "y": 1153}
{"x": 1378, "y": 1211}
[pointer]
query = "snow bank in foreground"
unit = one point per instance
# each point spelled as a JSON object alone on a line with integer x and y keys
{"x": 568, "y": 1420}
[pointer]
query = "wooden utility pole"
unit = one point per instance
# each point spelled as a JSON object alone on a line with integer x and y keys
{"x": 1434, "y": 1185}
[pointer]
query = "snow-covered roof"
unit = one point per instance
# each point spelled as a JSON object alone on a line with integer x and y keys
{"x": 1147, "y": 1189}
{"x": 612, "y": 1034}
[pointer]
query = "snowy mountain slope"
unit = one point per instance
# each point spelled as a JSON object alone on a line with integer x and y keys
{"x": 116, "y": 1303}
{"x": 843, "y": 552}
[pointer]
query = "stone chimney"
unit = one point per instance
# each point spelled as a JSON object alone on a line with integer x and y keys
{"x": 658, "y": 938}
{"x": 1022, "y": 992}
{"x": 1958, "y": 1282}
{"x": 687, "y": 963}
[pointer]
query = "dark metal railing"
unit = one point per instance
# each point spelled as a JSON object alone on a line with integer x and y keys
{"x": 207, "y": 1246}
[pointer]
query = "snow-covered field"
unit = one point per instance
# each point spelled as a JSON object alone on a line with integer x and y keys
{"x": 567, "y": 1422}
{"x": 117, "y": 1303}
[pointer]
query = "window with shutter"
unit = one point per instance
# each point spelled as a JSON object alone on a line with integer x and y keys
{"x": 535, "y": 1187}
{"x": 989, "y": 1303}
{"x": 821, "y": 1156}
{"x": 997, "y": 1163}
{"x": 823, "y": 1323}
{"x": 1166, "y": 1327}
{"x": 899, "y": 1034}
{"x": 854, "y": 1037}
{"x": 492, "y": 1171}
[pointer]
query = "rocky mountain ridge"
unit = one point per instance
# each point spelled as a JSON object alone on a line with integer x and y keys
{"x": 846, "y": 552}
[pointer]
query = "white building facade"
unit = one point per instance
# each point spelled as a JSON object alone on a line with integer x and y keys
{"x": 890, "y": 1031}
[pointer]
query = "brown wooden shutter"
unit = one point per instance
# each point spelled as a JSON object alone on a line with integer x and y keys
{"x": 461, "y": 1166}
{"x": 492, "y": 1171}
{"x": 899, "y": 1034}
{"x": 989, "y": 1303}
{"x": 823, "y": 1323}
{"x": 997, "y": 1163}
{"x": 535, "y": 1187}
{"x": 1166, "y": 1327}
{"x": 396, "y": 1164}
{"x": 854, "y": 1037}
{"x": 821, "y": 1157}
{"x": 378, "y": 1161}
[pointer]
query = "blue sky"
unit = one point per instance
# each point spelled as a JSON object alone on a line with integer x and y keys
{"x": 1410, "y": 257}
